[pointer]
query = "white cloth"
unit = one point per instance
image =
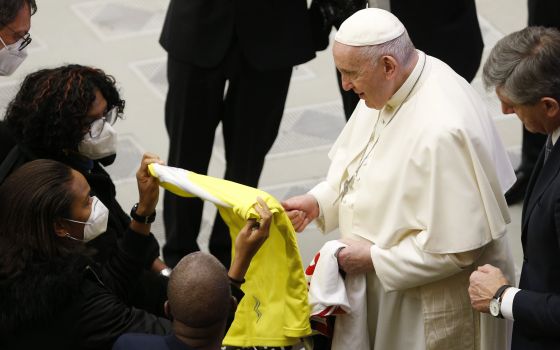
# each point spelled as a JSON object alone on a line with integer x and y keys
{"x": 370, "y": 26}
{"x": 430, "y": 199}
{"x": 506, "y": 306}
{"x": 327, "y": 288}
{"x": 555, "y": 135}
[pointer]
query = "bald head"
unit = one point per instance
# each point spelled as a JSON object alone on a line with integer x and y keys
{"x": 199, "y": 293}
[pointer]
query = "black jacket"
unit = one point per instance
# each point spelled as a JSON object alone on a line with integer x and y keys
{"x": 536, "y": 308}
{"x": 73, "y": 303}
{"x": 272, "y": 34}
{"x": 101, "y": 186}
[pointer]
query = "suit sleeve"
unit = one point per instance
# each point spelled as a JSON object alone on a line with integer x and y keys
{"x": 538, "y": 314}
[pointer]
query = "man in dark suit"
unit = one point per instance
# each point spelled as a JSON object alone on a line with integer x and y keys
{"x": 252, "y": 45}
{"x": 447, "y": 30}
{"x": 524, "y": 69}
{"x": 541, "y": 13}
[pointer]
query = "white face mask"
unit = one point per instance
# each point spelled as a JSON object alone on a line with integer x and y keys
{"x": 101, "y": 146}
{"x": 11, "y": 57}
{"x": 96, "y": 223}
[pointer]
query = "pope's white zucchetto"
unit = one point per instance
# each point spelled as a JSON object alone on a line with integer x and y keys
{"x": 371, "y": 26}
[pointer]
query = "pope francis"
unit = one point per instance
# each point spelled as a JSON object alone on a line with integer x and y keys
{"x": 415, "y": 187}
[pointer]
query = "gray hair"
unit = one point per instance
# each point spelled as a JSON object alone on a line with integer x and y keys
{"x": 400, "y": 48}
{"x": 525, "y": 65}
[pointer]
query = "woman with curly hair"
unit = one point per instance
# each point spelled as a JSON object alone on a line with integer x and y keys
{"x": 66, "y": 114}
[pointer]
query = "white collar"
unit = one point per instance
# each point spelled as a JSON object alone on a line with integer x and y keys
{"x": 399, "y": 96}
{"x": 555, "y": 135}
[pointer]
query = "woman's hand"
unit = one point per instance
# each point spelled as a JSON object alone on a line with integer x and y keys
{"x": 249, "y": 240}
{"x": 148, "y": 186}
{"x": 148, "y": 191}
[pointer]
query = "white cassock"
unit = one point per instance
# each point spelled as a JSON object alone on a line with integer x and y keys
{"x": 429, "y": 196}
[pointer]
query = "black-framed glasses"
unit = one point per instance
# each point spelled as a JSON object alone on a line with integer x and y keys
{"x": 110, "y": 117}
{"x": 25, "y": 38}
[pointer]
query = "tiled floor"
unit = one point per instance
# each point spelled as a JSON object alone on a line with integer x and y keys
{"x": 121, "y": 37}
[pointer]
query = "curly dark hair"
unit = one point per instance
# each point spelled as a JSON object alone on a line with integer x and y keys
{"x": 10, "y": 8}
{"x": 48, "y": 114}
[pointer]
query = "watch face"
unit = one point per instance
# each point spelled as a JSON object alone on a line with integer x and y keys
{"x": 494, "y": 308}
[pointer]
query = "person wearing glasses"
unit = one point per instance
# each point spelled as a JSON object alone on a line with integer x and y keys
{"x": 15, "y": 22}
{"x": 66, "y": 114}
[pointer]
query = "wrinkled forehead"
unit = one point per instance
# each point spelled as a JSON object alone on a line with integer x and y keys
{"x": 347, "y": 57}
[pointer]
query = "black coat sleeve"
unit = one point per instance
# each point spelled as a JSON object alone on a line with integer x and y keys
{"x": 536, "y": 307}
{"x": 538, "y": 314}
{"x": 124, "y": 268}
{"x": 103, "y": 187}
{"x": 105, "y": 312}
{"x": 104, "y": 317}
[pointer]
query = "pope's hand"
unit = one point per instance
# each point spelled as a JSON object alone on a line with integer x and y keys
{"x": 301, "y": 210}
{"x": 356, "y": 257}
{"x": 484, "y": 283}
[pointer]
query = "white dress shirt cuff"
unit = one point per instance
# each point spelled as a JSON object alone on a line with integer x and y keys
{"x": 506, "y": 306}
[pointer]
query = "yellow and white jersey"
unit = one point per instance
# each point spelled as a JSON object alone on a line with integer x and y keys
{"x": 275, "y": 310}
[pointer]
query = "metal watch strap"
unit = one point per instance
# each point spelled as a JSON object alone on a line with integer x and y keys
{"x": 142, "y": 219}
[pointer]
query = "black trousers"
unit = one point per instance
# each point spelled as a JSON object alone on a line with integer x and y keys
{"x": 250, "y": 111}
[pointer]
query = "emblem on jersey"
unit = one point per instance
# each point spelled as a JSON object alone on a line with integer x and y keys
{"x": 256, "y": 308}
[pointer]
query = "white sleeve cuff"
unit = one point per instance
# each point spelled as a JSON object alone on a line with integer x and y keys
{"x": 325, "y": 196}
{"x": 506, "y": 306}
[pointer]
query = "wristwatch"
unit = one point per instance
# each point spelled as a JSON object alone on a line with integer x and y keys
{"x": 166, "y": 272}
{"x": 140, "y": 218}
{"x": 496, "y": 302}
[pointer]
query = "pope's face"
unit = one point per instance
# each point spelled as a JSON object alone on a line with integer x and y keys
{"x": 365, "y": 78}
{"x": 533, "y": 117}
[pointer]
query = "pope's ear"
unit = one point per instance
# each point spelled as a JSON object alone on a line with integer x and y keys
{"x": 389, "y": 66}
{"x": 551, "y": 107}
{"x": 60, "y": 229}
